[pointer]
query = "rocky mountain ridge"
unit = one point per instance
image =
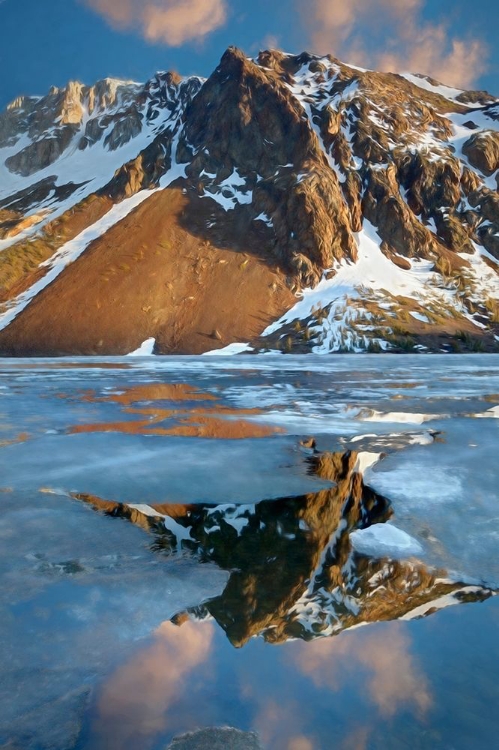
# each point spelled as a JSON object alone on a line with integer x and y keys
{"x": 290, "y": 203}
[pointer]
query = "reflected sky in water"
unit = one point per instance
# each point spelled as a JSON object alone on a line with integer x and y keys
{"x": 425, "y": 684}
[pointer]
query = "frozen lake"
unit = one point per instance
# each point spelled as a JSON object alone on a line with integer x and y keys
{"x": 177, "y": 553}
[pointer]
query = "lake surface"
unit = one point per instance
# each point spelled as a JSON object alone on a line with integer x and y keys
{"x": 304, "y": 549}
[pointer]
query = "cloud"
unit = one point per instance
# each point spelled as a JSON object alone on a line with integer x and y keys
{"x": 135, "y": 701}
{"x": 279, "y": 724}
{"x": 358, "y": 739}
{"x": 300, "y": 743}
{"x": 170, "y": 22}
{"x": 391, "y": 35}
{"x": 393, "y": 680}
{"x": 462, "y": 63}
{"x": 270, "y": 41}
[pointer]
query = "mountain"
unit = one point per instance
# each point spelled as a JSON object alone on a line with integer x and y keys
{"x": 289, "y": 203}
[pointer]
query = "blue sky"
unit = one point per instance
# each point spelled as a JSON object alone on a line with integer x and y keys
{"x": 48, "y": 42}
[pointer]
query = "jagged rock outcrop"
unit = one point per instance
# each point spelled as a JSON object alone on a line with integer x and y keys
{"x": 51, "y": 122}
{"x": 111, "y": 111}
{"x": 301, "y": 161}
{"x": 482, "y": 151}
{"x": 42, "y": 153}
{"x": 256, "y": 128}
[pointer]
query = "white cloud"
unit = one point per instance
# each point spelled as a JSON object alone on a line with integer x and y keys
{"x": 171, "y": 22}
{"x": 391, "y": 35}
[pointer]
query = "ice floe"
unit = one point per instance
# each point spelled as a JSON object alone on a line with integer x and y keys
{"x": 385, "y": 540}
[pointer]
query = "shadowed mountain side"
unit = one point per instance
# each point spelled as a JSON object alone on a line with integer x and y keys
{"x": 245, "y": 121}
{"x": 293, "y": 571}
{"x": 149, "y": 276}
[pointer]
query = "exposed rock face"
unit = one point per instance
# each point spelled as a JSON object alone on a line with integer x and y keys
{"x": 315, "y": 159}
{"x": 111, "y": 111}
{"x": 136, "y": 285}
{"x": 256, "y": 128}
{"x": 40, "y": 154}
{"x": 482, "y": 151}
{"x": 383, "y": 207}
{"x": 486, "y": 203}
{"x": 34, "y": 116}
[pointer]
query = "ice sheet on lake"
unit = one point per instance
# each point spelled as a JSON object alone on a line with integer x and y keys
{"x": 145, "y": 469}
{"x": 365, "y": 460}
{"x": 447, "y": 496}
{"x": 397, "y": 416}
{"x": 444, "y": 493}
{"x": 385, "y": 540}
{"x": 146, "y": 349}
{"x": 70, "y": 571}
{"x": 78, "y": 591}
{"x": 229, "y": 350}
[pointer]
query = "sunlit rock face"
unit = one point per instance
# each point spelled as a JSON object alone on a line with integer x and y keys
{"x": 374, "y": 190}
{"x": 294, "y": 572}
{"x": 111, "y": 111}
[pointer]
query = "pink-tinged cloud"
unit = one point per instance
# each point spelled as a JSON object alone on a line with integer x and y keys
{"x": 358, "y": 739}
{"x": 462, "y": 64}
{"x": 170, "y": 22}
{"x": 280, "y": 723}
{"x": 300, "y": 743}
{"x": 135, "y": 702}
{"x": 393, "y": 679}
{"x": 390, "y": 35}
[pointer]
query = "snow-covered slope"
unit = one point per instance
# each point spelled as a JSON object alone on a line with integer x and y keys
{"x": 58, "y": 149}
{"x": 372, "y": 198}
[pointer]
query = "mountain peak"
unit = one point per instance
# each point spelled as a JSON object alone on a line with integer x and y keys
{"x": 234, "y": 53}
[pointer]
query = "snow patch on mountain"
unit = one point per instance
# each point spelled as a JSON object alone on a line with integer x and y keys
{"x": 422, "y": 81}
{"x": 93, "y": 167}
{"x": 372, "y": 276}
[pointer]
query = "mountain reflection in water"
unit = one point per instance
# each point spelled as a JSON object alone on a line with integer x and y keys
{"x": 293, "y": 575}
{"x": 293, "y": 572}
